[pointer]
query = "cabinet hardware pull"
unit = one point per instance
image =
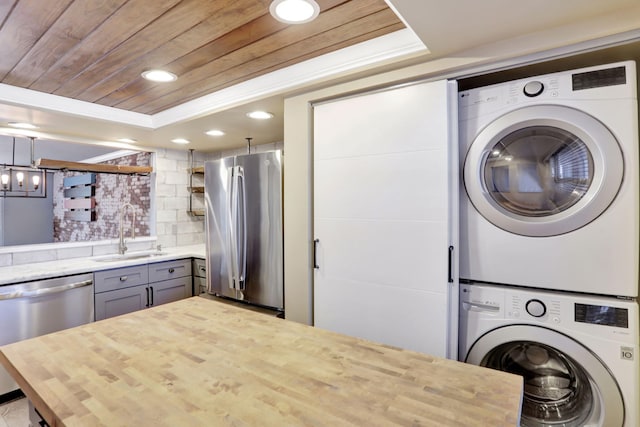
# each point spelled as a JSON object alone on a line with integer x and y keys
{"x": 171, "y": 270}
{"x": 151, "y": 293}
{"x": 147, "y": 289}
{"x": 203, "y": 269}
{"x": 450, "y": 267}
{"x": 123, "y": 278}
{"x": 315, "y": 253}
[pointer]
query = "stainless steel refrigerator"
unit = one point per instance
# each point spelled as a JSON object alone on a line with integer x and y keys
{"x": 243, "y": 199}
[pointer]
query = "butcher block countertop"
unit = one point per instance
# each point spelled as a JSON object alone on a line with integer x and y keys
{"x": 198, "y": 362}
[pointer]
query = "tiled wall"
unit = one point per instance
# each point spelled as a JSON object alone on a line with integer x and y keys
{"x": 111, "y": 192}
{"x": 174, "y": 225}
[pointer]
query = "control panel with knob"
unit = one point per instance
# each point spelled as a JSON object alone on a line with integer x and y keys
{"x": 533, "y": 88}
{"x": 536, "y": 308}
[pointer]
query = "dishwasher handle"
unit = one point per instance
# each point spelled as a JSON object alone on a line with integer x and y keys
{"x": 25, "y": 293}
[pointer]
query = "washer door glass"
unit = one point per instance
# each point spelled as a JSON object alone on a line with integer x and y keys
{"x": 556, "y": 389}
{"x": 538, "y": 171}
{"x": 565, "y": 384}
{"x": 543, "y": 170}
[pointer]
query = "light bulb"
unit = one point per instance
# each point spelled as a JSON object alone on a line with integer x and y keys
{"x": 36, "y": 181}
{"x": 5, "y": 180}
{"x": 294, "y": 11}
{"x": 20, "y": 177}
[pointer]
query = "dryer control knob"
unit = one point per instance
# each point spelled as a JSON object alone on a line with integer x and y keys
{"x": 533, "y": 88}
{"x": 536, "y": 308}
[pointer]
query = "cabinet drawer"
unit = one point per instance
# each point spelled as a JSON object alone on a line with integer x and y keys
{"x": 169, "y": 270}
{"x": 199, "y": 267}
{"x": 119, "y": 278}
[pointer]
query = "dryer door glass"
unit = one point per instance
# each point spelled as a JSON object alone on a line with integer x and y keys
{"x": 543, "y": 170}
{"x": 556, "y": 389}
{"x": 538, "y": 171}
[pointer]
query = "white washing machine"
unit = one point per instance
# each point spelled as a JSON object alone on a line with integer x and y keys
{"x": 550, "y": 171}
{"x": 578, "y": 354}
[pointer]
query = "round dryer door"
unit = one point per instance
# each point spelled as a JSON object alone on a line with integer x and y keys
{"x": 565, "y": 384}
{"x": 543, "y": 170}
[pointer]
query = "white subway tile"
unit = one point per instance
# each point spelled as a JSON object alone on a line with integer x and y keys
{"x": 67, "y": 253}
{"x": 5, "y": 260}
{"x": 34, "y": 256}
{"x": 166, "y": 216}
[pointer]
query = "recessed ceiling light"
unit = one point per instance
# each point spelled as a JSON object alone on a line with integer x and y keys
{"x": 180, "y": 141}
{"x": 260, "y": 115}
{"x": 127, "y": 140}
{"x": 22, "y": 125}
{"x": 214, "y": 132}
{"x": 159, "y": 76}
{"x": 294, "y": 11}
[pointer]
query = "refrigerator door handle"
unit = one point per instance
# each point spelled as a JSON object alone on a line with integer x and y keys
{"x": 241, "y": 236}
{"x": 230, "y": 209}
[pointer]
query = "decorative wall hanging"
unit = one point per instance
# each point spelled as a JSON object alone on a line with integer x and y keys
{"x": 79, "y": 197}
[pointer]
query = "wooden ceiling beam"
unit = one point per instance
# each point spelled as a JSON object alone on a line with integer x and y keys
{"x": 95, "y": 50}
{"x": 229, "y": 42}
{"x": 180, "y": 19}
{"x": 131, "y": 18}
{"x": 230, "y": 74}
{"x": 76, "y": 23}
{"x": 198, "y": 81}
{"x": 27, "y": 22}
{"x": 125, "y": 64}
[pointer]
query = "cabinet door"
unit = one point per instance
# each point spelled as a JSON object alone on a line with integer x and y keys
{"x": 170, "y": 290}
{"x": 385, "y": 216}
{"x": 120, "y": 301}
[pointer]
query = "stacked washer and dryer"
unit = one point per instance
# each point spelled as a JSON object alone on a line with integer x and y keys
{"x": 550, "y": 242}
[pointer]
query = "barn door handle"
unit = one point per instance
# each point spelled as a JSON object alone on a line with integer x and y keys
{"x": 315, "y": 253}
{"x": 450, "y": 268}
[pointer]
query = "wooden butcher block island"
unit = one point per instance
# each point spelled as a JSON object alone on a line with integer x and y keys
{"x": 199, "y": 362}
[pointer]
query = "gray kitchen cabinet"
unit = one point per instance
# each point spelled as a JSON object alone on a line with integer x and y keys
{"x": 170, "y": 281}
{"x": 199, "y": 276}
{"x": 121, "y": 301}
{"x": 123, "y": 290}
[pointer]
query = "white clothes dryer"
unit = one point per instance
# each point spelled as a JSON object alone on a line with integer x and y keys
{"x": 578, "y": 354}
{"x": 550, "y": 172}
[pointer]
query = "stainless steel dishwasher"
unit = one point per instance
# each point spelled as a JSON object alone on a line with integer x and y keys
{"x": 31, "y": 309}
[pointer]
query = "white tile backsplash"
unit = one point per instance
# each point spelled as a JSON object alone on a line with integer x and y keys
{"x": 5, "y": 260}
{"x": 34, "y": 256}
{"x": 74, "y": 252}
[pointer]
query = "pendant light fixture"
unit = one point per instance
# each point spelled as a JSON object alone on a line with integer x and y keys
{"x": 21, "y": 180}
{"x": 294, "y": 11}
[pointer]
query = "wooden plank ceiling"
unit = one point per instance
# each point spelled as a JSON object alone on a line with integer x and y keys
{"x": 95, "y": 50}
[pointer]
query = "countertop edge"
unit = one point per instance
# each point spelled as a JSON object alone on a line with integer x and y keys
{"x": 49, "y": 269}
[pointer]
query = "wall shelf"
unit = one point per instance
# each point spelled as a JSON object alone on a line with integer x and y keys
{"x": 195, "y": 190}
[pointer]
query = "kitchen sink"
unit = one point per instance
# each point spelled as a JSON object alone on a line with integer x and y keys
{"x": 127, "y": 256}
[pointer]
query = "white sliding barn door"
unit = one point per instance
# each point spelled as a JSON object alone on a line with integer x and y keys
{"x": 385, "y": 215}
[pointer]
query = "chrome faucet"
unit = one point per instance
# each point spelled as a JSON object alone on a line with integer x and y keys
{"x": 122, "y": 248}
